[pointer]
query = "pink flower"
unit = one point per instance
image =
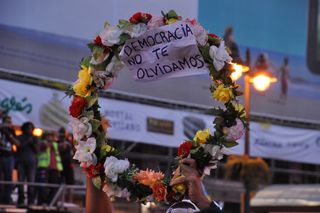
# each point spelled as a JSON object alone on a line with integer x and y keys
{"x": 155, "y": 22}
{"x": 235, "y": 132}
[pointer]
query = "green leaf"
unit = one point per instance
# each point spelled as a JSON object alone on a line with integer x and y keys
{"x": 123, "y": 38}
{"x": 97, "y": 51}
{"x": 91, "y": 45}
{"x": 172, "y": 14}
{"x": 205, "y": 53}
{"x": 229, "y": 144}
{"x": 106, "y": 24}
{"x": 70, "y": 92}
{"x": 123, "y": 24}
{"x": 104, "y": 64}
{"x": 95, "y": 124}
{"x": 92, "y": 100}
{"x": 85, "y": 61}
{"x": 195, "y": 151}
{"x": 97, "y": 182}
{"x": 213, "y": 41}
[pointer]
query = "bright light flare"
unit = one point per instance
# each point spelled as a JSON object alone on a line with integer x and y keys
{"x": 262, "y": 81}
{"x": 37, "y": 132}
{"x": 238, "y": 70}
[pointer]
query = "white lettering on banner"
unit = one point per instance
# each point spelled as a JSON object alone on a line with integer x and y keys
{"x": 166, "y": 52}
{"x": 122, "y": 121}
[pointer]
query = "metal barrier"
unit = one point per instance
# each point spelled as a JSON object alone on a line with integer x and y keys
{"x": 59, "y": 194}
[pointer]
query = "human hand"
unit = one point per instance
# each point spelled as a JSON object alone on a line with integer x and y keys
{"x": 189, "y": 175}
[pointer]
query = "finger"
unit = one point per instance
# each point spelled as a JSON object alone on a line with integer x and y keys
{"x": 178, "y": 180}
{"x": 189, "y": 161}
{"x": 176, "y": 173}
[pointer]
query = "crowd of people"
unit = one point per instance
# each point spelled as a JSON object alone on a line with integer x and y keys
{"x": 45, "y": 159}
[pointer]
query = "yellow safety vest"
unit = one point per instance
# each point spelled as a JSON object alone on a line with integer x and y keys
{"x": 44, "y": 157}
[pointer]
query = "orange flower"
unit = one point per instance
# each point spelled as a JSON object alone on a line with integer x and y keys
{"x": 148, "y": 177}
{"x": 159, "y": 191}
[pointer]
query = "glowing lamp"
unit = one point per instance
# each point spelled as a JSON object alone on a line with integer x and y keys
{"x": 261, "y": 81}
{"x": 238, "y": 70}
{"x": 18, "y": 132}
{"x": 14, "y": 148}
{"x": 37, "y": 132}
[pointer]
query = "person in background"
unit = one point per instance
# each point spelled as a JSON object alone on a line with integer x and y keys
{"x": 66, "y": 153}
{"x": 42, "y": 169}
{"x": 27, "y": 160}
{"x": 284, "y": 78}
{"x": 7, "y": 161}
{"x": 49, "y": 165}
{"x": 232, "y": 45}
{"x": 262, "y": 62}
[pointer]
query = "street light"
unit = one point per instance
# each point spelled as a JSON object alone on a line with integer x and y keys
{"x": 238, "y": 69}
{"x": 261, "y": 81}
{"x": 37, "y": 132}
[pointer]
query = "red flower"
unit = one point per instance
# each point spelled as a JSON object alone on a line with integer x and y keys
{"x": 77, "y": 105}
{"x": 213, "y": 35}
{"x": 159, "y": 191}
{"x": 140, "y": 18}
{"x": 184, "y": 149}
{"x": 93, "y": 171}
{"x": 97, "y": 41}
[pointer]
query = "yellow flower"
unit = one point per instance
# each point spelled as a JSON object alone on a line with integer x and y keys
{"x": 107, "y": 148}
{"x": 81, "y": 89}
{"x": 239, "y": 108}
{"x": 179, "y": 188}
{"x": 202, "y": 136}
{"x": 171, "y": 21}
{"x": 223, "y": 94}
{"x": 82, "y": 86}
{"x": 85, "y": 75}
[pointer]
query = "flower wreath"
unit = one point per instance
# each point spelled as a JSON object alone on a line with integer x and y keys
{"x": 101, "y": 161}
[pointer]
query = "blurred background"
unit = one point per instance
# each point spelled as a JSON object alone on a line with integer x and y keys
{"x": 42, "y": 43}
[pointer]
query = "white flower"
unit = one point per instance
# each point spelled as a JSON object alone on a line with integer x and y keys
{"x": 235, "y": 132}
{"x": 113, "y": 167}
{"x": 80, "y": 128}
{"x": 113, "y": 190}
{"x": 84, "y": 153}
{"x": 200, "y": 33}
{"x": 217, "y": 154}
{"x": 100, "y": 78}
{"x": 136, "y": 30}
{"x": 115, "y": 66}
{"x": 155, "y": 22}
{"x": 219, "y": 56}
{"x": 215, "y": 151}
{"x": 110, "y": 36}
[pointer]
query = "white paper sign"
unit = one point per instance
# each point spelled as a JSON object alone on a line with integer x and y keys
{"x": 166, "y": 52}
